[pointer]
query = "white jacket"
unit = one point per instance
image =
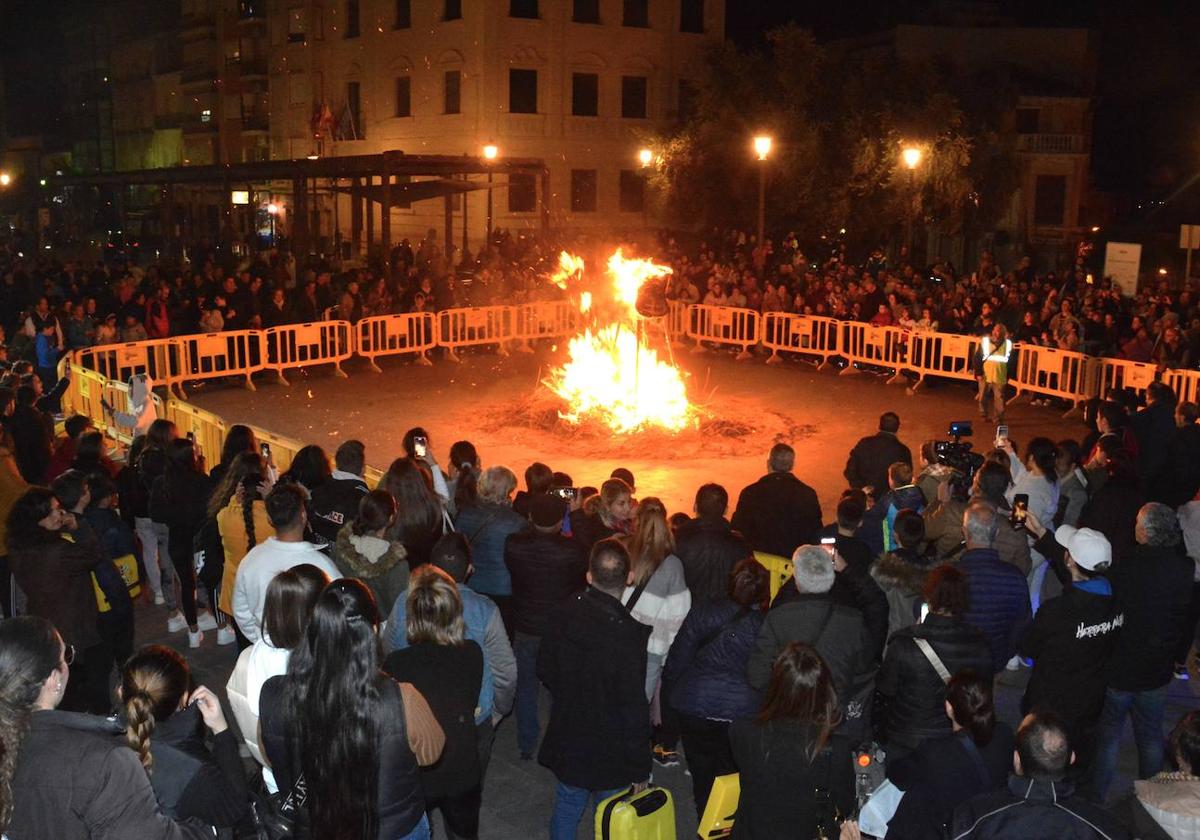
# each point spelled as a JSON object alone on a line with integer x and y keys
{"x": 256, "y": 571}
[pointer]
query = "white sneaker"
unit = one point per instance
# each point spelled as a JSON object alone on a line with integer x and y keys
{"x": 176, "y": 623}
{"x": 226, "y": 636}
{"x": 159, "y": 599}
{"x": 194, "y": 639}
{"x": 205, "y": 621}
{"x": 1014, "y": 664}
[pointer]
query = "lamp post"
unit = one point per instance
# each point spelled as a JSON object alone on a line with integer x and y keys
{"x": 6, "y": 179}
{"x": 272, "y": 211}
{"x": 762, "y": 148}
{"x": 490, "y": 153}
{"x": 645, "y": 158}
{"x": 912, "y": 159}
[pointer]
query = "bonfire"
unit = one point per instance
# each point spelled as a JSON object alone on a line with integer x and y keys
{"x": 613, "y": 375}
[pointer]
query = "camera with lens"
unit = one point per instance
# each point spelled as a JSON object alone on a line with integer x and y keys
{"x": 958, "y": 456}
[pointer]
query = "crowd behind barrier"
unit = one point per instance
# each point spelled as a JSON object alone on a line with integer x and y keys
{"x": 910, "y": 355}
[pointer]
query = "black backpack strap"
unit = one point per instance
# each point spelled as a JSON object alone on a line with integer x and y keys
{"x": 976, "y": 759}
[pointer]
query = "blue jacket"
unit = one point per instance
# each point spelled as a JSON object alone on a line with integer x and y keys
{"x": 707, "y": 679}
{"x": 999, "y": 601}
{"x": 486, "y": 526}
{"x": 478, "y": 611}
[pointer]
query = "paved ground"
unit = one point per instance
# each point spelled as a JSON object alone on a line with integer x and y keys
{"x": 821, "y": 412}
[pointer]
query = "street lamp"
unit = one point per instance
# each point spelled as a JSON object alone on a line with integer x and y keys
{"x": 762, "y": 148}
{"x": 490, "y": 153}
{"x": 5, "y": 179}
{"x": 912, "y": 159}
{"x": 273, "y": 211}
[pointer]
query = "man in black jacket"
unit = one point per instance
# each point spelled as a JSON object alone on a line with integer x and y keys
{"x": 1072, "y": 638}
{"x": 853, "y": 584}
{"x": 1180, "y": 479}
{"x": 779, "y": 511}
{"x": 546, "y": 569}
{"x": 708, "y": 547}
{"x": 335, "y": 502}
{"x": 593, "y": 662}
{"x": 33, "y": 434}
{"x": 1038, "y": 802}
{"x": 870, "y": 458}
{"x": 1154, "y": 588}
{"x": 1154, "y": 427}
{"x": 836, "y": 631}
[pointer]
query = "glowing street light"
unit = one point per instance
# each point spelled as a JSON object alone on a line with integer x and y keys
{"x": 645, "y": 157}
{"x": 912, "y": 157}
{"x": 762, "y": 148}
{"x": 5, "y": 179}
{"x": 490, "y": 153}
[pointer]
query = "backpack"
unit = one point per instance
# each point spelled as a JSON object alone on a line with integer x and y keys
{"x": 208, "y": 553}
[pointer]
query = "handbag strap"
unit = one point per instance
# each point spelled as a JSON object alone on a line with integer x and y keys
{"x": 976, "y": 759}
{"x": 934, "y": 660}
{"x": 636, "y": 594}
{"x": 824, "y": 624}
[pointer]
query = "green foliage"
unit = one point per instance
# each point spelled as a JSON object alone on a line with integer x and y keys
{"x": 839, "y": 121}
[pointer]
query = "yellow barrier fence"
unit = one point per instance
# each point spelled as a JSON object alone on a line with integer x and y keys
{"x": 158, "y": 358}
{"x": 780, "y": 569}
{"x": 207, "y": 428}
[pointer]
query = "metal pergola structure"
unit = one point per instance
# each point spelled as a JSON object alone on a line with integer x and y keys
{"x": 385, "y": 179}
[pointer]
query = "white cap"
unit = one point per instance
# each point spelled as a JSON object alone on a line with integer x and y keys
{"x": 1089, "y": 549}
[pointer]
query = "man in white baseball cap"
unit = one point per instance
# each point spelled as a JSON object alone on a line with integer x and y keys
{"x": 1072, "y": 638}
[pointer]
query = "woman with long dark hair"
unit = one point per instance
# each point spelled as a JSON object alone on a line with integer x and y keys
{"x": 90, "y": 457}
{"x": 156, "y": 550}
{"x": 238, "y": 439}
{"x": 464, "y": 467}
{"x": 418, "y": 448}
{"x": 354, "y": 735}
{"x": 162, "y": 712}
{"x": 795, "y": 769}
{"x": 55, "y": 573}
{"x": 310, "y": 467}
{"x": 241, "y": 516}
{"x": 942, "y": 773}
{"x": 418, "y": 524}
{"x": 447, "y": 668}
{"x": 363, "y": 550}
{"x": 704, "y": 680}
{"x": 1037, "y": 478}
{"x": 179, "y": 500}
{"x": 65, "y": 775}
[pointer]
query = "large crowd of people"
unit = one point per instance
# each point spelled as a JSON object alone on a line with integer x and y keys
{"x": 50, "y": 306}
{"x": 382, "y": 635}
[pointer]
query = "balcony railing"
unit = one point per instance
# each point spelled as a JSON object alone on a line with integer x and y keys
{"x": 1051, "y": 144}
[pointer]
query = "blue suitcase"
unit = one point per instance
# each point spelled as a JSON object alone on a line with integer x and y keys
{"x": 649, "y": 815}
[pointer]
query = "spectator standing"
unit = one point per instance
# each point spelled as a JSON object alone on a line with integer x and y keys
{"x": 999, "y": 594}
{"x": 1154, "y": 428}
{"x": 793, "y": 761}
{"x": 1037, "y": 478}
{"x": 363, "y": 551}
{"x": 447, "y": 668}
{"x": 995, "y": 352}
{"x": 708, "y": 548}
{"x": 902, "y": 572}
{"x": 1153, "y": 587}
{"x": 853, "y": 585}
{"x": 361, "y": 780}
{"x": 1180, "y": 479}
{"x": 704, "y": 680}
{"x": 870, "y": 458}
{"x": 237, "y": 505}
{"x": 32, "y": 433}
{"x": 912, "y": 688}
{"x": 65, "y": 775}
{"x": 283, "y": 550}
{"x": 335, "y": 502}
{"x": 162, "y": 710}
{"x": 593, "y": 662}
{"x": 778, "y": 512}
{"x": 613, "y": 515}
{"x": 487, "y": 524}
{"x": 1072, "y": 639}
{"x": 116, "y": 541}
{"x": 1039, "y": 801}
{"x": 546, "y": 569}
{"x": 419, "y": 520}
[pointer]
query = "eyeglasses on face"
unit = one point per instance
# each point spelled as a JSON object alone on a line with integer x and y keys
{"x": 68, "y": 654}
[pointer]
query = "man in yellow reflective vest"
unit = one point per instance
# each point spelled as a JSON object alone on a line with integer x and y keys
{"x": 995, "y": 350}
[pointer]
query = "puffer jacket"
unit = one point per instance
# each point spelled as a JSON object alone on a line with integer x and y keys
{"x": 705, "y": 674}
{"x": 999, "y": 606}
{"x": 709, "y": 548}
{"x": 916, "y": 695}
{"x": 486, "y": 526}
{"x": 380, "y": 564}
{"x": 901, "y": 575}
{"x": 545, "y": 569}
{"x": 1172, "y": 799}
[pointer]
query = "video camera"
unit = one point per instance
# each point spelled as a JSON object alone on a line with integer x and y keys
{"x": 959, "y": 457}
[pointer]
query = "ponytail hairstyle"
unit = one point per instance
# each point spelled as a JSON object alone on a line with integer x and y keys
{"x": 465, "y": 459}
{"x": 1045, "y": 454}
{"x": 245, "y": 465}
{"x": 376, "y": 511}
{"x": 971, "y": 703}
{"x": 249, "y": 496}
{"x": 153, "y": 682}
{"x": 652, "y": 540}
{"x": 30, "y": 650}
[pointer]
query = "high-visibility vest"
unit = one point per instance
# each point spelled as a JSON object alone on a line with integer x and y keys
{"x": 995, "y": 354}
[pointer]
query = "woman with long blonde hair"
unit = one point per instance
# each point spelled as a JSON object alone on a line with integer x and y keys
{"x": 658, "y": 597}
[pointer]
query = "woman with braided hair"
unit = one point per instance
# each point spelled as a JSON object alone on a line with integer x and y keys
{"x": 241, "y": 516}
{"x": 162, "y": 713}
{"x": 64, "y": 775}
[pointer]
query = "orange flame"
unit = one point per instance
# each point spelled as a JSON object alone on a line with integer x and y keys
{"x": 613, "y": 374}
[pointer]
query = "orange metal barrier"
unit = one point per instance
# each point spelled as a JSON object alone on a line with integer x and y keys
{"x": 1122, "y": 373}
{"x": 391, "y": 335}
{"x": 805, "y": 335}
{"x": 885, "y": 347}
{"x": 1056, "y": 373}
{"x": 473, "y": 327}
{"x": 941, "y": 354}
{"x": 294, "y": 345}
{"x": 724, "y": 325}
{"x": 223, "y": 354}
{"x": 207, "y": 428}
{"x": 1185, "y": 384}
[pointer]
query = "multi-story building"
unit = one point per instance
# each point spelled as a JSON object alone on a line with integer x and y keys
{"x": 575, "y": 83}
